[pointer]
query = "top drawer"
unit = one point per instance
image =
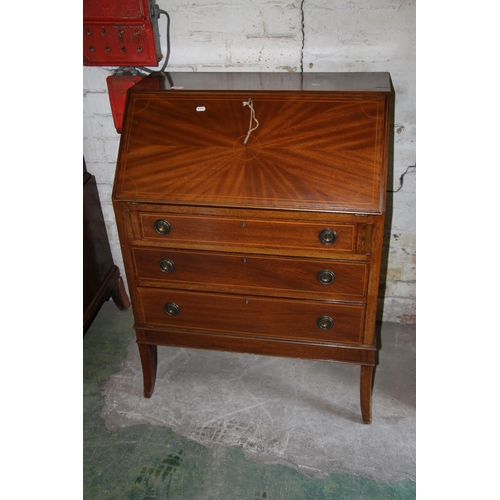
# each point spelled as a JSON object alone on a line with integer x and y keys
{"x": 211, "y": 232}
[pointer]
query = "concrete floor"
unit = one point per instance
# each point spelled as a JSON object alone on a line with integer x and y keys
{"x": 233, "y": 426}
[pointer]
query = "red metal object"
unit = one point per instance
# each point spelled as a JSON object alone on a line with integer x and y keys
{"x": 117, "y": 90}
{"x": 120, "y": 33}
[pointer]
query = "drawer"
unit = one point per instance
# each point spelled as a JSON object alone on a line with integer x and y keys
{"x": 203, "y": 231}
{"x": 263, "y": 275}
{"x": 249, "y": 315}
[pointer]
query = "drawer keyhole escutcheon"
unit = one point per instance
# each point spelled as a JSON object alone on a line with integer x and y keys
{"x": 172, "y": 309}
{"x": 327, "y": 236}
{"x": 166, "y": 265}
{"x": 326, "y": 277}
{"x": 324, "y": 322}
{"x": 162, "y": 226}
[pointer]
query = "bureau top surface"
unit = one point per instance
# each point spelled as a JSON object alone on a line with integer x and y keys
{"x": 312, "y": 141}
{"x": 339, "y": 82}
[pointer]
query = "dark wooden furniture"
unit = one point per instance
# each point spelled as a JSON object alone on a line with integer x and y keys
{"x": 250, "y": 209}
{"x": 101, "y": 278}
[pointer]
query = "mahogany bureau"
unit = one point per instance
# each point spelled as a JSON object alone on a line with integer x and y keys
{"x": 250, "y": 209}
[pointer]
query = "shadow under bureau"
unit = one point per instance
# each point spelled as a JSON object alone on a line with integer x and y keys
{"x": 250, "y": 209}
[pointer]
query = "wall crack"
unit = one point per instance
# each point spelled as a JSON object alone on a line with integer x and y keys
{"x": 303, "y": 36}
{"x": 411, "y": 168}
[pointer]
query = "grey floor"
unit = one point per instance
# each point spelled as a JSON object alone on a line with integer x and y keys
{"x": 299, "y": 413}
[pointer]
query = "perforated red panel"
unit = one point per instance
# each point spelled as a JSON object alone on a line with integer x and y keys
{"x": 120, "y": 33}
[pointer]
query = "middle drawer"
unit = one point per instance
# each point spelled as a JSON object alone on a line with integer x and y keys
{"x": 278, "y": 276}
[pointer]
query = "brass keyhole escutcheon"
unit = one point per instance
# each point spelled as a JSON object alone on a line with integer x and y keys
{"x": 327, "y": 236}
{"x": 166, "y": 265}
{"x": 172, "y": 309}
{"x": 326, "y": 277}
{"x": 162, "y": 226}
{"x": 324, "y": 322}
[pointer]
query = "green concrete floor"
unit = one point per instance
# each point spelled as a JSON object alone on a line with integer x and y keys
{"x": 146, "y": 462}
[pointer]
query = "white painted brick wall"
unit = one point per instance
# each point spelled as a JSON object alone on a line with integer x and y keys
{"x": 267, "y": 35}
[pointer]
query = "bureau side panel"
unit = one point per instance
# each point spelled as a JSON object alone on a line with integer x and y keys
{"x": 377, "y": 235}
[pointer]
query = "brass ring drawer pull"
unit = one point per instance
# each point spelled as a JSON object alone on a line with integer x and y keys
{"x": 166, "y": 265}
{"x": 162, "y": 226}
{"x": 324, "y": 322}
{"x": 327, "y": 236}
{"x": 326, "y": 277}
{"x": 171, "y": 309}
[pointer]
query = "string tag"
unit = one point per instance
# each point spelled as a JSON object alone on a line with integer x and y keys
{"x": 249, "y": 103}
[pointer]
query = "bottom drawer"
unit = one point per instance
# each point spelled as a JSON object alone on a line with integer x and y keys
{"x": 260, "y": 316}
